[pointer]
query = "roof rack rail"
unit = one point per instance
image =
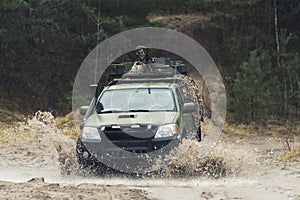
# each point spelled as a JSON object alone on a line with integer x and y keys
{"x": 149, "y": 75}
{"x": 145, "y": 80}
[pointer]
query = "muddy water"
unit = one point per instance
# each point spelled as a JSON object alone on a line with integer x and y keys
{"x": 245, "y": 167}
{"x": 34, "y": 147}
{"x": 37, "y": 147}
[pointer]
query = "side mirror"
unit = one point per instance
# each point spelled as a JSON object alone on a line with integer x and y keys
{"x": 83, "y": 110}
{"x": 99, "y": 107}
{"x": 188, "y": 108}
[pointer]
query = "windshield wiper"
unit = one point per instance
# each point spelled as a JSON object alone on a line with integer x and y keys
{"x": 139, "y": 110}
{"x": 110, "y": 111}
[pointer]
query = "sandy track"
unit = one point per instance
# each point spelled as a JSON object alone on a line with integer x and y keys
{"x": 37, "y": 189}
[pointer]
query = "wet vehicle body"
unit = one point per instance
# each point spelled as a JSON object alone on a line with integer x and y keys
{"x": 132, "y": 117}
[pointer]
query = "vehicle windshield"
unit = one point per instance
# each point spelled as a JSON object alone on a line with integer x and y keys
{"x": 137, "y": 100}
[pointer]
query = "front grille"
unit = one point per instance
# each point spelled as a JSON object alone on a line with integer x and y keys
{"x": 129, "y": 132}
{"x": 138, "y": 138}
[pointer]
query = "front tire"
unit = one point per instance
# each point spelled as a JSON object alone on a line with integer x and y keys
{"x": 198, "y": 134}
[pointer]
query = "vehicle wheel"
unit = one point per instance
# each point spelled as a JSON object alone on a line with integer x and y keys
{"x": 198, "y": 134}
{"x": 89, "y": 164}
{"x": 92, "y": 166}
{"x": 83, "y": 162}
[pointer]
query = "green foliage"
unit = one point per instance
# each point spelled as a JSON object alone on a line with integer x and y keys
{"x": 254, "y": 93}
{"x": 288, "y": 71}
{"x": 263, "y": 88}
{"x": 42, "y": 44}
{"x": 264, "y": 83}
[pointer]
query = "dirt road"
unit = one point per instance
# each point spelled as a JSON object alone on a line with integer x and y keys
{"x": 36, "y": 149}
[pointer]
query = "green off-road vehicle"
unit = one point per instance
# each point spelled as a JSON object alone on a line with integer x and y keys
{"x": 138, "y": 114}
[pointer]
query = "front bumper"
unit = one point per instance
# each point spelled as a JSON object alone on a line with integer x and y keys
{"x": 127, "y": 148}
{"x": 130, "y": 155}
{"x": 124, "y": 148}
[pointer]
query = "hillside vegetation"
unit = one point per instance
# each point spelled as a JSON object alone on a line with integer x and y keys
{"x": 255, "y": 44}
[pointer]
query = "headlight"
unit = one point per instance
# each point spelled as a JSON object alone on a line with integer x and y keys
{"x": 90, "y": 133}
{"x": 166, "y": 130}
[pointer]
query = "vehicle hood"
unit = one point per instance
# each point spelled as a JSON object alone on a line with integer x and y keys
{"x": 155, "y": 118}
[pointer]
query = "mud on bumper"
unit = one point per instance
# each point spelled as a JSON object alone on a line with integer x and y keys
{"x": 92, "y": 151}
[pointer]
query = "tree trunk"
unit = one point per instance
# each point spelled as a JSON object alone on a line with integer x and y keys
{"x": 285, "y": 96}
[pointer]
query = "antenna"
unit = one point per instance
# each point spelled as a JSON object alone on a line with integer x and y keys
{"x": 99, "y": 25}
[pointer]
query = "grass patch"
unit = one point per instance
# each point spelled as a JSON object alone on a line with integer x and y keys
{"x": 9, "y": 117}
{"x": 68, "y": 126}
{"x": 276, "y": 128}
{"x": 291, "y": 156}
{"x": 287, "y": 131}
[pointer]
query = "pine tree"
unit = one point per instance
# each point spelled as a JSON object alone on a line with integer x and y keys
{"x": 254, "y": 90}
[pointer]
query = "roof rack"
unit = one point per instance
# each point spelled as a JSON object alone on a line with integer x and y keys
{"x": 143, "y": 79}
{"x": 156, "y": 74}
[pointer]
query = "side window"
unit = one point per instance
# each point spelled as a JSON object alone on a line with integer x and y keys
{"x": 180, "y": 98}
